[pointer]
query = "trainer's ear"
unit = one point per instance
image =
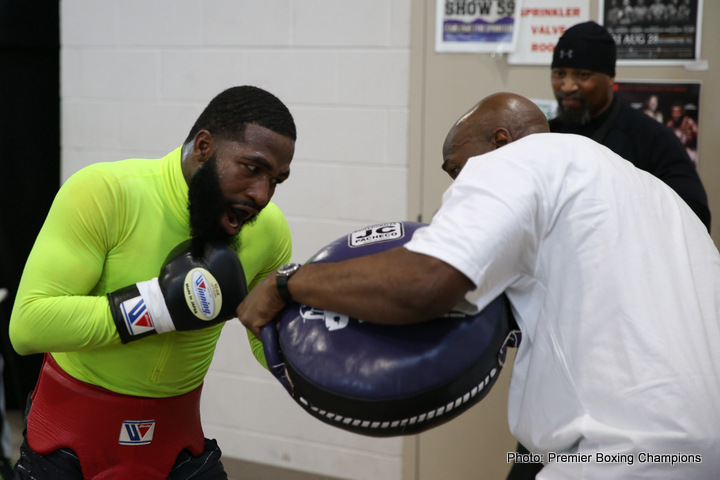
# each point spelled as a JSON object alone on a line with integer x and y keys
{"x": 500, "y": 137}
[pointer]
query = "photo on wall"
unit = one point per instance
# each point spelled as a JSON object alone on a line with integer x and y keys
{"x": 654, "y": 32}
{"x": 674, "y": 104}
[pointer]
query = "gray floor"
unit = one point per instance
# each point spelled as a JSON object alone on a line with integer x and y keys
{"x": 236, "y": 469}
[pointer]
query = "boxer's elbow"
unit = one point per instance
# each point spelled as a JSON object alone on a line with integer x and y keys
{"x": 21, "y": 338}
{"x": 28, "y": 329}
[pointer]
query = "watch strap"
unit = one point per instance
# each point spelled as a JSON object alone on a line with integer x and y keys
{"x": 282, "y": 277}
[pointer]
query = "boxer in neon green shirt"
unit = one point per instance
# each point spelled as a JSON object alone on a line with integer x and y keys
{"x": 113, "y": 224}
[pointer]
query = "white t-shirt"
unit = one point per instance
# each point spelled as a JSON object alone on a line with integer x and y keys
{"x": 615, "y": 284}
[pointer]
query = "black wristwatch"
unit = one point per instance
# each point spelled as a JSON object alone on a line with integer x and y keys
{"x": 283, "y": 275}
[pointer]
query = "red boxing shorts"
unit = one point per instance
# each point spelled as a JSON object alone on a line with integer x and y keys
{"x": 113, "y": 435}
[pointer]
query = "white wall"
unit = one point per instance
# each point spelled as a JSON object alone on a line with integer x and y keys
{"x": 137, "y": 73}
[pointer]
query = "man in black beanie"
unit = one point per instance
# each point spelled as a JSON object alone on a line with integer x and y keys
{"x": 583, "y": 76}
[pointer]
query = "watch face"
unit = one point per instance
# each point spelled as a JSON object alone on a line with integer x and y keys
{"x": 289, "y": 268}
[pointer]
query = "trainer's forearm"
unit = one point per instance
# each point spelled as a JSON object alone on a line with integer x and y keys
{"x": 397, "y": 286}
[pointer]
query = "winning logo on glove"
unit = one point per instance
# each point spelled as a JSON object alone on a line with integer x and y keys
{"x": 202, "y": 294}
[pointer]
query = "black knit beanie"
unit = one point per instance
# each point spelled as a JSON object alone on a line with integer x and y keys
{"x": 586, "y": 46}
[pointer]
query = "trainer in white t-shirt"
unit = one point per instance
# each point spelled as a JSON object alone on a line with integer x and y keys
{"x": 615, "y": 284}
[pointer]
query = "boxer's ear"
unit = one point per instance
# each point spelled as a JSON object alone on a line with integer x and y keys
{"x": 203, "y": 146}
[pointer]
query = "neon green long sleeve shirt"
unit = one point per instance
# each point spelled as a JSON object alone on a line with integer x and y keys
{"x": 112, "y": 225}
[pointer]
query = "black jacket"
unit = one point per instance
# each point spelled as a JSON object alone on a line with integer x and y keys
{"x": 650, "y": 146}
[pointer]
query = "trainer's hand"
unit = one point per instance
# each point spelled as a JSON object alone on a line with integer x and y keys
{"x": 261, "y": 305}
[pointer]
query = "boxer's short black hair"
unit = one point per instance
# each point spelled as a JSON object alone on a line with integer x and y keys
{"x": 231, "y": 110}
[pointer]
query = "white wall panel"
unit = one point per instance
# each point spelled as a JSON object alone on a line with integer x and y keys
{"x": 248, "y": 22}
{"x": 326, "y": 23}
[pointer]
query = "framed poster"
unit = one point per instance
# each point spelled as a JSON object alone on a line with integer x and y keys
{"x": 476, "y": 25}
{"x": 542, "y": 22}
{"x": 654, "y": 32}
{"x": 674, "y": 104}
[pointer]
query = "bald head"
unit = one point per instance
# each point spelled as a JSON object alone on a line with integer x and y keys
{"x": 496, "y": 120}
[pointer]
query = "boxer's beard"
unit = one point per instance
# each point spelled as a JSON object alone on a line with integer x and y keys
{"x": 574, "y": 116}
{"x": 207, "y": 205}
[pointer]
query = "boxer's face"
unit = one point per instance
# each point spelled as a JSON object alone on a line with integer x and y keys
{"x": 237, "y": 181}
{"x": 581, "y": 94}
